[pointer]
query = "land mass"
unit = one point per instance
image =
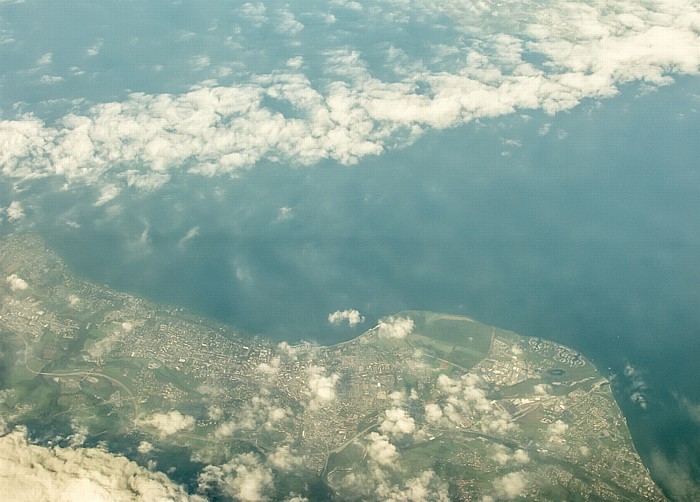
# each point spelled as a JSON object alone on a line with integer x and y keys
{"x": 422, "y": 406}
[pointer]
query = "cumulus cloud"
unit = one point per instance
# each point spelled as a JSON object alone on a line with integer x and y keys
{"x": 270, "y": 368}
{"x": 351, "y": 316}
{"x": 16, "y": 283}
{"x": 397, "y": 423}
{"x": 287, "y": 23}
{"x": 321, "y": 386}
{"x": 395, "y": 328}
{"x": 283, "y": 459}
{"x": 510, "y": 486}
{"x": 380, "y": 449}
{"x": 426, "y": 487}
{"x": 467, "y": 405}
{"x": 31, "y": 472}
{"x": 542, "y": 389}
{"x": 145, "y": 447}
{"x": 557, "y": 428}
{"x": 289, "y": 351}
{"x": 259, "y": 413}
{"x": 433, "y": 412}
{"x": 167, "y": 424}
{"x": 375, "y": 478}
{"x": 504, "y": 456}
{"x": 242, "y": 478}
{"x": 15, "y": 211}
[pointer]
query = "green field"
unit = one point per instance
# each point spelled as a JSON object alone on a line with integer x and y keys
{"x": 458, "y": 340}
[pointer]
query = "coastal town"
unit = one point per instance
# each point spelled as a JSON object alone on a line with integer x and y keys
{"x": 499, "y": 406}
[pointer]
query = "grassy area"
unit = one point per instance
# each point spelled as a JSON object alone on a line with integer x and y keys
{"x": 458, "y": 340}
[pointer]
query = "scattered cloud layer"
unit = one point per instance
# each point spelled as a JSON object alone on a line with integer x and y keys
{"x": 587, "y": 51}
{"x": 466, "y": 404}
{"x": 377, "y": 479}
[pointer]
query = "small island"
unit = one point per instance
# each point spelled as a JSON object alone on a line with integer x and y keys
{"x": 423, "y": 406}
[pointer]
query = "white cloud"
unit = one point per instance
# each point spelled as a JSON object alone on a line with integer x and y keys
{"x": 242, "y": 478}
{"x": 637, "y": 387}
{"x": 15, "y": 211}
{"x": 255, "y": 13}
{"x": 287, "y": 23}
{"x": 270, "y": 368}
{"x": 542, "y": 389}
{"x": 589, "y": 50}
{"x": 227, "y": 429}
{"x": 557, "y": 429}
{"x": 521, "y": 457}
{"x": 395, "y": 327}
{"x": 215, "y": 413}
{"x": 467, "y": 403}
{"x": 676, "y": 475}
{"x": 289, "y": 351}
{"x": 191, "y": 234}
{"x": 352, "y": 316}
{"x": 397, "y": 423}
{"x": 503, "y": 456}
{"x": 200, "y": 62}
{"x": 285, "y": 213}
{"x": 691, "y": 408}
{"x": 167, "y": 423}
{"x": 321, "y": 386}
{"x": 398, "y": 397}
{"x": 107, "y": 193}
{"x": 45, "y": 60}
{"x": 511, "y": 485}
{"x": 433, "y": 412}
{"x": 16, "y": 283}
{"x": 426, "y": 487}
{"x": 30, "y": 472}
{"x": 283, "y": 459}
{"x": 95, "y": 48}
{"x": 50, "y": 79}
{"x": 380, "y": 449}
{"x": 259, "y": 413}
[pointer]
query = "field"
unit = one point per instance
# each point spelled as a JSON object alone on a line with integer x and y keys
{"x": 457, "y": 340}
